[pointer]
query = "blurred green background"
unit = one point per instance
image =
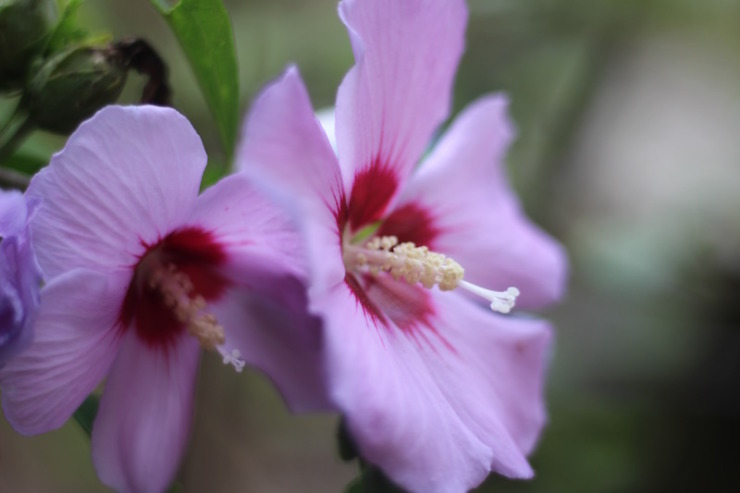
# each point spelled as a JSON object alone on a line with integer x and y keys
{"x": 629, "y": 152}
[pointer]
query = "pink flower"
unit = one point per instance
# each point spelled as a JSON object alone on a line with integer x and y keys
{"x": 20, "y": 277}
{"x": 435, "y": 390}
{"x": 142, "y": 273}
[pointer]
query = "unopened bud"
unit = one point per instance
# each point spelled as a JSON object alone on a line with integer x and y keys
{"x": 72, "y": 85}
{"x": 25, "y": 27}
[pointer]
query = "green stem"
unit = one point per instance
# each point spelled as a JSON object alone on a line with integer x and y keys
{"x": 10, "y": 122}
{"x": 17, "y": 133}
{"x": 10, "y": 178}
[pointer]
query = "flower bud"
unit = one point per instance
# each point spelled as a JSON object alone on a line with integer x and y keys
{"x": 25, "y": 27}
{"x": 72, "y": 85}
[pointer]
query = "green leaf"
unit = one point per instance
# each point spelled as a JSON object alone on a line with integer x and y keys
{"x": 347, "y": 447}
{"x": 85, "y": 414}
{"x": 204, "y": 31}
{"x": 371, "y": 480}
{"x": 354, "y": 487}
{"x": 212, "y": 174}
{"x": 68, "y": 31}
{"x": 26, "y": 162}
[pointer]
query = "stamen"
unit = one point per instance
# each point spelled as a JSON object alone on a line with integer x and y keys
{"x": 176, "y": 289}
{"x": 501, "y": 301}
{"x": 405, "y": 261}
{"x": 419, "y": 264}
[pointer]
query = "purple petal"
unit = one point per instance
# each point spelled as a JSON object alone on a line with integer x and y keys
{"x": 20, "y": 277}
{"x": 398, "y": 92}
{"x": 398, "y": 413}
{"x": 265, "y": 317}
{"x": 75, "y": 343}
{"x": 144, "y": 418}
{"x": 244, "y": 220}
{"x": 12, "y": 314}
{"x": 460, "y": 204}
{"x": 285, "y": 150}
{"x": 494, "y": 378}
{"x": 13, "y": 213}
{"x": 126, "y": 177}
{"x": 20, "y": 281}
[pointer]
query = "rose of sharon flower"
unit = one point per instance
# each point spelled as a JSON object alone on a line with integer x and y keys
{"x": 20, "y": 277}
{"x": 436, "y": 389}
{"x": 142, "y": 273}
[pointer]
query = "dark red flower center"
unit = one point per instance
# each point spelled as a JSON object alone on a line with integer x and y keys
{"x": 372, "y": 191}
{"x": 185, "y": 265}
{"x": 383, "y": 299}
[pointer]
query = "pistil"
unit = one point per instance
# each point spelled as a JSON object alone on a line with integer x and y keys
{"x": 418, "y": 264}
{"x": 501, "y": 301}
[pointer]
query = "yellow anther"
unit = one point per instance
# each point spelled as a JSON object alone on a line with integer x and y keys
{"x": 176, "y": 288}
{"x": 206, "y": 329}
{"x": 405, "y": 261}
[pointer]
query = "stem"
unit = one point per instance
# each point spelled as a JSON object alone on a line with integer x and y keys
{"x": 10, "y": 140}
{"x": 10, "y": 178}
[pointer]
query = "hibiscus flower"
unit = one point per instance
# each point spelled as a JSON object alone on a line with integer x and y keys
{"x": 20, "y": 277}
{"x": 142, "y": 273}
{"x": 435, "y": 389}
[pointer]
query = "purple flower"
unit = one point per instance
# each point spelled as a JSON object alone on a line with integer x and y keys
{"x": 142, "y": 273}
{"x": 20, "y": 277}
{"x": 436, "y": 390}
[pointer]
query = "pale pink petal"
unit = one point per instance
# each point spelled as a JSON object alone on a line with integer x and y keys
{"x": 265, "y": 317}
{"x": 400, "y": 417}
{"x": 495, "y": 376}
{"x": 285, "y": 151}
{"x": 127, "y": 176}
{"x": 144, "y": 418}
{"x": 460, "y": 204}
{"x": 75, "y": 344}
{"x": 396, "y": 95}
{"x": 245, "y": 221}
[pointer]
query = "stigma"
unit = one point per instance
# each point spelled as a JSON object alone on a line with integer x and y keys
{"x": 190, "y": 310}
{"x": 417, "y": 264}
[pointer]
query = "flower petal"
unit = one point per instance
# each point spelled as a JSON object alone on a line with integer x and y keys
{"x": 459, "y": 203}
{"x": 398, "y": 415}
{"x": 126, "y": 177}
{"x": 13, "y": 312}
{"x": 265, "y": 317}
{"x": 495, "y": 378}
{"x": 75, "y": 344}
{"x": 285, "y": 150}
{"x": 20, "y": 277}
{"x": 20, "y": 281}
{"x": 395, "y": 96}
{"x": 144, "y": 418}
{"x": 244, "y": 220}
{"x": 13, "y": 213}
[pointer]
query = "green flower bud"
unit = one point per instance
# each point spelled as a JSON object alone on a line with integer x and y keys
{"x": 72, "y": 85}
{"x": 25, "y": 27}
